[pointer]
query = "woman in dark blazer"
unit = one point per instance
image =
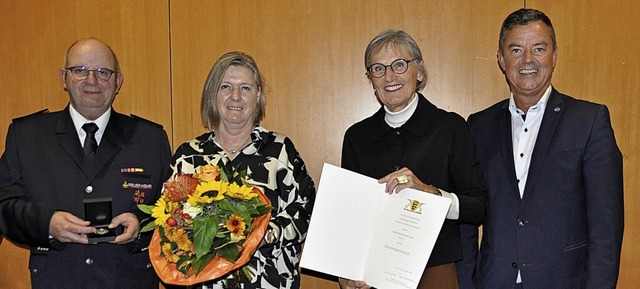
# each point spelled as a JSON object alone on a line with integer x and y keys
{"x": 410, "y": 143}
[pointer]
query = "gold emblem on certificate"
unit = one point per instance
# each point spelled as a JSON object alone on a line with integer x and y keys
{"x": 414, "y": 206}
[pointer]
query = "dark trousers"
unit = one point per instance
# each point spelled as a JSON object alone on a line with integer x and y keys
{"x": 518, "y": 286}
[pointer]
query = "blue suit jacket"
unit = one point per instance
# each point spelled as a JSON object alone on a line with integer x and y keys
{"x": 42, "y": 170}
{"x": 566, "y": 231}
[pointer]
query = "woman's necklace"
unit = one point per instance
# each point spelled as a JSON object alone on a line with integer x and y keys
{"x": 236, "y": 150}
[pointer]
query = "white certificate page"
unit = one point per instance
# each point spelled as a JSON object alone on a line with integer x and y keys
{"x": 359, "y": 232}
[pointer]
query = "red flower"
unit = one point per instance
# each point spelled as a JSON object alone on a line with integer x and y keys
{"x": 180, "y": 188}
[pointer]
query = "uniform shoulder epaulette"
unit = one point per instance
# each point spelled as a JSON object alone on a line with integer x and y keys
{"x": 46, "y": 110}
{"x": 145, "y": 120}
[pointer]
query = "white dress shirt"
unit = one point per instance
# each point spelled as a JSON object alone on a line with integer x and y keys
{"x": 79, "y": 120}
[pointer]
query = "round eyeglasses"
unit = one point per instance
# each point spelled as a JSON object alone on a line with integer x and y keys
{"x": 398, "y": 66}
{"x": 81, "y": 73}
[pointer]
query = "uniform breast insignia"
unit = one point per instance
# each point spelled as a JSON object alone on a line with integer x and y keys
{"x": 136, "y": 186}
{"x": 138, "y": 197}
{"x": 414, "y": 206}
{"x": 139, "y": 190}
{"x": 132, "y": 170}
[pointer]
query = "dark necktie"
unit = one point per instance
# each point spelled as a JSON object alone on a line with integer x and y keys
{"x": 90, "y": 143}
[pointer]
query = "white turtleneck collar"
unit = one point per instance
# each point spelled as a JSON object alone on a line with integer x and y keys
{"x": 398, "y": 118}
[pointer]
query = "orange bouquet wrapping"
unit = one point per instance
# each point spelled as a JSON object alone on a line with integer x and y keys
{"x": 207, "y": 224}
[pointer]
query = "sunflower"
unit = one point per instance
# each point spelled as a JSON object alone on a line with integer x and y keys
{"x": 236, "y": 225}
{"x": 160, "y": 212}
{"x": 208, "y": 192}
{"x": 243, "y": 192}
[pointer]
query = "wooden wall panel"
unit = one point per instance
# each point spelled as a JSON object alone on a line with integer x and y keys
{"x": 598, "y": 60}
{"x": 311, "y": 53}
{"x": 35, "y": 36}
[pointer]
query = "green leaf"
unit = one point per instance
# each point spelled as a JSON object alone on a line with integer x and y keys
{"x": 225, "y": 175}
{"x": 226, "y": 205}
{"x": 240, "y": 177}
{"x": 256, "y": 208}
{"x": 263, "y": 210}
{"x": 229, "y": 252}
{"x": 246, "y": 271}
{"x": 243, "y": 212}
{"x": 204, "y": 230}
{"x": 148, "y": 227}
{"x": 183, "y": 265}
{"x": 146, "y": 208}
{"x": 199, "y": 263}
{"x": 163, "y": 236}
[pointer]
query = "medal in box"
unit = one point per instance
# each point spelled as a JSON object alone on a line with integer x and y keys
{"x": 98, "y": 212}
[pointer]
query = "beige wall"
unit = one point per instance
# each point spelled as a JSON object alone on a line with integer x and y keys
{"x": 311, "y": 53}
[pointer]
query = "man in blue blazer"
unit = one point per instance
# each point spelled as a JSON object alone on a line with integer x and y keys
{"x": 46, "y": 177}
{"x": 553, "y": 172}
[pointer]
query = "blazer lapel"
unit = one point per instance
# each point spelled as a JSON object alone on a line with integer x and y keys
{"x": 506, "y": 147}
{"x": 552, "y": 113}
{"x": 68, "y": 138}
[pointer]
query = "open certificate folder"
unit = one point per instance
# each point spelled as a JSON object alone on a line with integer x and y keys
{"x": 359, "y": 232}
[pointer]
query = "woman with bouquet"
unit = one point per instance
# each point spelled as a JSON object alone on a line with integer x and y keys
{"x": 232, "y": 107}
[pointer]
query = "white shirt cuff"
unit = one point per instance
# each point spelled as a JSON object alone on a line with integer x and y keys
{"x": 454, "y": 209}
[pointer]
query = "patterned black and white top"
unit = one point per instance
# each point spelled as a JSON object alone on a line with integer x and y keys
{"x": 272, "y": 163}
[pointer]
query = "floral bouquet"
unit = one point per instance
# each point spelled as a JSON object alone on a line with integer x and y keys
{"x": 206, "y": 224}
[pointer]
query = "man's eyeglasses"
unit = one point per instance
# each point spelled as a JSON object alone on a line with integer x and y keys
{"x": 398, "y": 66}
{"x": 81, "y": 73}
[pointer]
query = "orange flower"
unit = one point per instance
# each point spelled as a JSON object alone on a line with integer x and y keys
{"x": 168, "y": 253}
{"x": 207, "y": 173}
{"x": 180, "y": 188}
{"x": 235, "y": 224}
{"x": 168, "y": 232}
{"x": 182, "y": 240}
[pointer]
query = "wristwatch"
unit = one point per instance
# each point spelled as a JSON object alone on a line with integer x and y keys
{"x": 271, "y": 236}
